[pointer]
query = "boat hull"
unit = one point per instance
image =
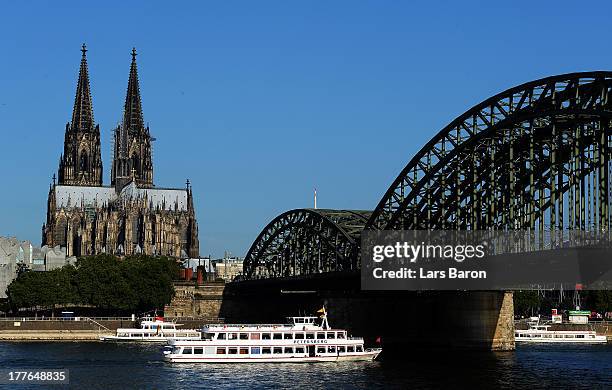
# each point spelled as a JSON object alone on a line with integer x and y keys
{"x": 597, "y": 340}
{"x": 365, "y": 356}
{"x": 145, "y": 339}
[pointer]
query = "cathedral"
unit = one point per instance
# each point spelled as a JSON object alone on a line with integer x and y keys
{"x": 131, "y": 215}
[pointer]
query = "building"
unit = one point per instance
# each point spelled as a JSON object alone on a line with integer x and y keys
{"x": 16, "y": 255}
{"x": 228, "y": 268}
{"x": 129, "y": 216}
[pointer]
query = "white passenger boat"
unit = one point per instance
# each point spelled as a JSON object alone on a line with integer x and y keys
{"x": 153, "y": 330}
{"x": 302, "y": 339}
{"x": 541, "y": 334}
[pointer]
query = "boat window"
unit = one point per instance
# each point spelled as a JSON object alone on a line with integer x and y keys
{"x": 547, "y": 336}
{"x": 569, "y": 336}
{"x": 177, "y": 349}
{"x": 299, "y": 350}
{"x": 232, "y": 351}
{"x": 198, "y": 351}
{"x": 244, "y": 336}
{"x": 221, "y": 336}
{"x": 320, "y": 336}
{"x": 579, "y": 336}
{"x": 592, "y": 336}
{"x": 187, "y": 351}
{"x": 220, "y": 351}
{"x": 320, "y": 349}
{"x": 209, "y": 350}
{"x": 299, "y": 336}
{"x": 244, "y": 351}
{"x": 232, "y": 336}
{"x": 341, "y": 349}
{"x": 359, "y": 348}
{"x": 207, "y": 336}
{"x": 299, "y": 320}
{"x": 278, "y": 350}
{"x": 288, "y": 349}
{"x": 558, "y": 336}
{"x": 331, "y": 349}
{"x": 254, "y": 336}
{"x": 266, "y": 336}
{"x": 266, "y": 351}
{"x": 341, "y": 335}
{"x": 331, "y": 335}
{"x": 350, "y": 348}
{"x": 255, "y": 350}
{"x": 310, "y": 336}
{"x": 277, "y": 336}
{"x": 288, "y": 336}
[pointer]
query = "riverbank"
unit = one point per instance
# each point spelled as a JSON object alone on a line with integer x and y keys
{"x": 51, "y": 335}
{"x": 77, "y": 328}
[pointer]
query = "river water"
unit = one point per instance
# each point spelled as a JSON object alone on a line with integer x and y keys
{"x": 136, "y": 366}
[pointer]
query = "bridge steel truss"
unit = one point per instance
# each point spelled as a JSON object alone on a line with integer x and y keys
{"x": 535, "y": 157}
{"x": 307, "y": 241}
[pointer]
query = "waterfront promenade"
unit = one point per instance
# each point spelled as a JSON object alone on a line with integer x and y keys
{"x": 77, "y": 328}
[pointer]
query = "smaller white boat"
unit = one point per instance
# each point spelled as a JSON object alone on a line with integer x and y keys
{"x": 153, "y": 330}
{"x": 541, "y": 334}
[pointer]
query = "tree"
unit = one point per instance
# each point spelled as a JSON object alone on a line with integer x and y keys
{"x": 136, "y": 283}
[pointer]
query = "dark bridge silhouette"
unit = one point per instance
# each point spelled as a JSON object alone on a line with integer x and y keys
{"x": 535, "y": 157}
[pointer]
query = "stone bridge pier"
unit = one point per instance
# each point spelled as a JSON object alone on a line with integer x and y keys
{"x": 403, "y": 320}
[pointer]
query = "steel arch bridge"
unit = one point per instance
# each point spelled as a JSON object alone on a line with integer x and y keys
{"x": 307, "y": 241}
{"x": 534, "y": 157}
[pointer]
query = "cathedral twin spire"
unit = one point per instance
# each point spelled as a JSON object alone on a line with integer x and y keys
{"x": 82, "y": 113}
{"x": 81, "y": 162}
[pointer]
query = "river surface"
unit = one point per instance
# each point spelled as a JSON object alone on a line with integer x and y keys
{"x": 136, "y": 366}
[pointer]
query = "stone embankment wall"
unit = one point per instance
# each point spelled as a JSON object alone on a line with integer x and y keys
{"x": 190, "y": 300}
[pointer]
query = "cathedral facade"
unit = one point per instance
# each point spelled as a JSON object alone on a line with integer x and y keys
{"x": 129, "y": 216}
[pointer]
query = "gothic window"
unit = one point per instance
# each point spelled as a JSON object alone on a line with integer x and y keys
{"x": 59, "y": 232}
{"x": 135, "y": 164}
{"x": 137, "y": 230}
{"x": 84, "y": 163}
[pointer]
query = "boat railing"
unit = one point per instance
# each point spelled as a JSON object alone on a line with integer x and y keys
{"x": 99, "y": 325}
{"x": 240, "y": 326}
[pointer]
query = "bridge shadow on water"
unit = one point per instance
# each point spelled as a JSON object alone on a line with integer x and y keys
{"x": 400, "y": 320}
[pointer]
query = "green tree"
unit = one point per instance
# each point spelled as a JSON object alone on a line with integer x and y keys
{"x": 136, "y": 283}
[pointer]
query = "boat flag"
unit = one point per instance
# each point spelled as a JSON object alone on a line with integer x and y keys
{"x": 159, "y": 318}
{"x": 322, "y": 311}
{"x": 378, "y": 340}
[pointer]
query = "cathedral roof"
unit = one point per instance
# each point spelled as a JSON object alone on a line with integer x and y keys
{"x": 164, "y": 198}
{"x": 82, "y": 113}
{"x": 74, "y": 196}
{"x": 78, "y": 196}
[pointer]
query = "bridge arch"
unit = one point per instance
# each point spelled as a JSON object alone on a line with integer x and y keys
{"x": 307, "y": 241}
{"x": 536, "y": 156}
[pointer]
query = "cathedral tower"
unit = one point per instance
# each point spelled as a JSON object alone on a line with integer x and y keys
{"x": 81, "y": 162}
{"x": 132, "y": 155}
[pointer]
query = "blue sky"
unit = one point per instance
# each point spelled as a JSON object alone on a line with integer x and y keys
{"x": 257, "y": 102}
